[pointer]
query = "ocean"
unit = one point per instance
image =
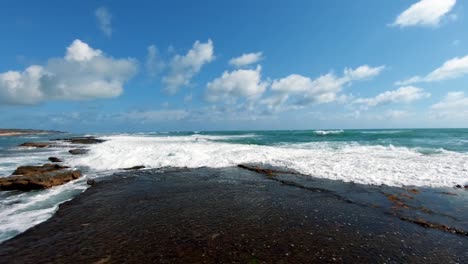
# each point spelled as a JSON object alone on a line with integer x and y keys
{"x": 434, "y": 158}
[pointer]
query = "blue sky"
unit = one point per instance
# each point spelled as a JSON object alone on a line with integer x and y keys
{"x": 100, "y": 66}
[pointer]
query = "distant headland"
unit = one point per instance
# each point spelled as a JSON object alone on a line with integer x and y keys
{"x": 18, "y": 132}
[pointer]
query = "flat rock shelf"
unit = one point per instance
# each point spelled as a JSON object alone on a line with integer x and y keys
{"x": 237, "y": 215}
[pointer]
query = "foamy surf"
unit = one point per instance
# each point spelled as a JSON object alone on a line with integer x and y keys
{"x": 389, "y": 165}
{"x": 406, "y": 158}
{"x": 328, "y": 132}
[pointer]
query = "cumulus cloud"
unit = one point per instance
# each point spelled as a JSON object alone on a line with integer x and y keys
{"x": 405, "y": 94}
{"x": 83, "y": 73}
{"x": 425, "y": 13}
{"x": 246, "y": 59}
{"x": 21, "y": 87}
{"x": 154, "y": 64}
{"x": 363, "y": 72}
{"x": 235, "y": 84}
{"x": 451, "y": 69}
{"x": 453, "y": 101}
{"x": 321, "y": 90}
{"x": 184, "y": 67}
{"x": 104, "y": 19}
{"x": 324, "y": 89}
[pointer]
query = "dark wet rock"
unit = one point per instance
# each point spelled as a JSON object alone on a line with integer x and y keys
{"x": 90, "y": 182}
{"x": 78, "y": 151}
{"x": 448, "y": 193}
{"x": 33, "y": 170}
{"x": 458, "y": 186}
{"x": 231, "y": 215}
{"x": 265, "y": 171}
{"x": 81, "y": 140}
{"x": 36, "y": 144}
{"x": 135, "y": 168}
{"x": 27, "y": 178}
{"x": 426, "y": 224}
{"x": 414, "y": 191}
{"x": 55, "y": 159}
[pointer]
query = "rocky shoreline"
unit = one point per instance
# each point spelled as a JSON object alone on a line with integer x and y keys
{"x": 251, "y": 213}
{"x": 241, "y": 214}
{"x": 28, "y": 178}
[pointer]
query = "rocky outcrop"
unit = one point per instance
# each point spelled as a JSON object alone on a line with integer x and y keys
{"x": 135, "y": 168}
{"x": 36, "y": 144}
{"x": 82, "y": 140}
{"x": 73, "y": 140}
{"x": 90, "y": 181}
{"x": 78, "y": 151}
{"x": 54, "y": 159}
{"x": 27, "y": 178}
{"x": 33, "y": 170}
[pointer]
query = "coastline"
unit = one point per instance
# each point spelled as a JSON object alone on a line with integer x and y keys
{"x": 25, "y": 132}
{"x": 179, "y": 215}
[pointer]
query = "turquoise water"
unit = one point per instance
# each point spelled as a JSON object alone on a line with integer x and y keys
{"x": 430, "y": 140}
{"x": 435, "y": 158}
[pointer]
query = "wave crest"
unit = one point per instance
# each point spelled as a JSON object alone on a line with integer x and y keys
{"x": 328, "y": 132}
{"x": 389, "y": 165}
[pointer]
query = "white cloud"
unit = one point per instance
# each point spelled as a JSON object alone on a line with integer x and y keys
{"x": 154, "y": 64}
{"x": 363, "y": 72}
{"x": 451, "y": 69}
{"x": 104, "y": 19}
{"x": 405, "y": 94}
{"x": 453, "y": 101}
{"x": 425, "y": 13}
{"x": 84, "y": 73}
{"x": 234, "y": 84}
{"x": 246, "y": 59}
{"x": 321, "y": 90}
{"x": 184, "y": 67}
{"x": 275, "y": 101}
{"x": 324, "y": 89}
{"x": 454, "y": 105}
{"x": 80, "y": 51}
{"x": 21, "y": 87}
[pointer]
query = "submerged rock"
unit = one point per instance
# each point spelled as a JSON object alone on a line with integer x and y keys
{"x": 90, "y": 182}
{"x": 135, "y": 168}
{"x": 78, "y": 151}
{"x": 54, "y": 159}
{"x": 27, "y": 178}
{"x": 36, "y": 144}
{"x": 82, "y": 140}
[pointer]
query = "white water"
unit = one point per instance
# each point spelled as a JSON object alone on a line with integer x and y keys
{"x": 328, "y": 132}
{"x": 22, "y": 210}
{"x": 394, "y": 166}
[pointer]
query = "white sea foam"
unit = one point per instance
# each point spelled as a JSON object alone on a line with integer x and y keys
{"x": 395, "y": 166}
{"x": 328, "y": 132}
{"x": 23, "y": 211}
